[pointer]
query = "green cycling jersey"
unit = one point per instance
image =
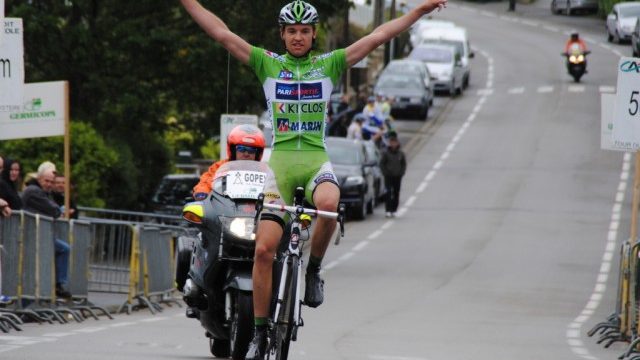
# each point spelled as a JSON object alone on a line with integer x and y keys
{"x": 298, "y": 92}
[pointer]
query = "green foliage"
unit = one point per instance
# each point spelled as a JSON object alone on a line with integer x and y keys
{"x": 133, "y": 64}
{"x": 91, "y": 160}
{"x": 210, "y": 149}
{"x": 605, "y": 6}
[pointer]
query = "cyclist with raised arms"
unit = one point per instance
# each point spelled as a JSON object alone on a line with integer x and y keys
{"x": 297, "y": 87}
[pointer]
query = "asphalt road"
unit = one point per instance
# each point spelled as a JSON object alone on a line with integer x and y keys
{"x": 506, "y": 242}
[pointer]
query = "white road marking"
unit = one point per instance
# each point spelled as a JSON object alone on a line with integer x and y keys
{"x": 576, "y": 88}
{"x": 607, "y": 89}
{"x": 517, "y": 90}
{"x": 545, "y": 89}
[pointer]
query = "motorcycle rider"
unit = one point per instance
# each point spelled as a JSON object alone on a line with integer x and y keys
{"x": 575, "y": 43}
{"x": 244, "y": 142}
{"x": 297, "y": 86}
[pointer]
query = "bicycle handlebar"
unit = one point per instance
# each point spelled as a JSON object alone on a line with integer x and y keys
{"x": 299, "y": 210}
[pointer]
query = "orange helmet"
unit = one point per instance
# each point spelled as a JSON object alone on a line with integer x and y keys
{"x": 247, "y": 135}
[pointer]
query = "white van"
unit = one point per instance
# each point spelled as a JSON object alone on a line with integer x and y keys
{"x": 423, "y": 24}
{"x": 456, "y": 36}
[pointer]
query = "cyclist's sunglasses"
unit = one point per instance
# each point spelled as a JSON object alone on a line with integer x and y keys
{"x": 247, "y": 149}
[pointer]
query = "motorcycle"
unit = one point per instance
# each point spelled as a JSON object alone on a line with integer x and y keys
{"x": 576, "y": 63}
{"x": 213, "y": 267}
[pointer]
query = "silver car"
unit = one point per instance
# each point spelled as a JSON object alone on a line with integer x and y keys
{"x": 573, "y": 6}
{"x": 622, "y": 20}
{"x": 635, "y": 40}
{"x": 445, "y": 65}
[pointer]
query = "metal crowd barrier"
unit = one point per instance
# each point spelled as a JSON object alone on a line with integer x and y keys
{"x": 622, "y": 324}
{"x": 28, "y": 276}
{"x": 106, "y": 256}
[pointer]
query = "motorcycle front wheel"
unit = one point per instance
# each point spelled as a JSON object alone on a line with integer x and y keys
{"x": 241, "y": 325}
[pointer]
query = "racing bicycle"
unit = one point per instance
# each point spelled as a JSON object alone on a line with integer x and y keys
{"x": 287, "y": 301}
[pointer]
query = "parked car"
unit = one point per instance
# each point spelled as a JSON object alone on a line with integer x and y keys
{"x": 621, "y": 21}
{"x": 574, "y": 6}
{"x": 413, "y": 68}
{"x": 412, "y": 96}
{"x": 444, "y": 63}
{"x": 635, "y": 40}
{"x": 374, "y": 155}
{"x": 170, "y": 195}
{"x": 457, "y": 37}
{"x": 353, "y": 168}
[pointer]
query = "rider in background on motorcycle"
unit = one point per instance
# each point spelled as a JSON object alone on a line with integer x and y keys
{"x": 244, "y": 142}
{"x": 576, "y": 43}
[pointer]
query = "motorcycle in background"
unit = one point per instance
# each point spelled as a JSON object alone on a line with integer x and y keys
{"x": 214, "y": 267}
{"x": 576, "y": 62}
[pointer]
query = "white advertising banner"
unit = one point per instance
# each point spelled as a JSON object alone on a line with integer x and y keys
{"x": 11, "y": 65}
{"x": 42, "y": 112}
{"x": 227, "y": 123}
{"x": 626, "y": 114}
{"x": 607, "y": 106}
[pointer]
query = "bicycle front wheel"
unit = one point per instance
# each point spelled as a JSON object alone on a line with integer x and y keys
{"x": 286, "y": 320}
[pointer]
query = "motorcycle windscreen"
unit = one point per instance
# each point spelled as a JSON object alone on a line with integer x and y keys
{"x": 241, "y": 179}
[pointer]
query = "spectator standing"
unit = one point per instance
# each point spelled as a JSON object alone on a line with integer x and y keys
{"x": 393, "y": 164}
{"x": 354, "y": 131}
{"x": 36, "y": 199}
{"x": 57, "y": 194}
{"x": 10, "y": 184}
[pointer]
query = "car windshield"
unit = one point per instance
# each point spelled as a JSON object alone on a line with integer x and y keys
{"x": 398, "y": 82}
{"x": 459, "y": 45}
{"x": 174, "y": 191}
{"x": 344, "y": 153}
{"x": 630, "y": 11}
{"x": 241, "y": 179}
{"x": 402, "y": 68}
{"x": 432, "y": 55}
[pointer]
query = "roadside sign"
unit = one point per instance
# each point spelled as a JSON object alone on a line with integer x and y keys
{"x": 11, "y": 65}
{"x": 227, "y": 123}
{"x": 1, "y": 18}
{"x": 607, "y": 104}
{"x": 626, "y": 113}
{"x": 42, "y": 113}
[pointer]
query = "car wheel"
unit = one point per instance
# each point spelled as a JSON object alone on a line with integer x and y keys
{"x": 635, "y": 53}
{"x": 360, "y": 211}
{"x": 616, "y": 37}
{"x": 460, "y": 90}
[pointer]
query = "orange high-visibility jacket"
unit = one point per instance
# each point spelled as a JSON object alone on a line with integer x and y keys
{"x": 204, "y": 186}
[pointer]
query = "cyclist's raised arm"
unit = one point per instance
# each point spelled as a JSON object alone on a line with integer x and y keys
{"x": 218, "y": 30}
{"x": 387, "y": 31}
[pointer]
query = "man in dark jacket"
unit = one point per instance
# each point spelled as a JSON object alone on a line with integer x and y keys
{"x": 393, "y": 164}
{"x": 36, "y": 199}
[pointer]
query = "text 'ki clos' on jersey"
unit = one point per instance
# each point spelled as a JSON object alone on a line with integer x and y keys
{"x": 298, "y": 92}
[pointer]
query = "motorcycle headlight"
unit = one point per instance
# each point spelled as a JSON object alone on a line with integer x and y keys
{"x": 580, "y": 58}
{"x": 354, "y": 180}
{"x": 241, "y": 227}
{"x": 572, "y": 58}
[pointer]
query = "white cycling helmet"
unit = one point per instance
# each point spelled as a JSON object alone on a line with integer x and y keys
{"x": 298, "y": 12}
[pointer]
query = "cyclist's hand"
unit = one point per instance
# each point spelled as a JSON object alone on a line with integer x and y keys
{"x": 200, "y": 196}
{"x": 430, "y": 5}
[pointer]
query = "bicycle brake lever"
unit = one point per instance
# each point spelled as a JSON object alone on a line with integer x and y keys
{"x": 341, "y": 213}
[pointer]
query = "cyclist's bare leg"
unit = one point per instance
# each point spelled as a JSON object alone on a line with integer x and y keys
{"x": 267, "y": 240}
{"x": 326, "y": 198}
